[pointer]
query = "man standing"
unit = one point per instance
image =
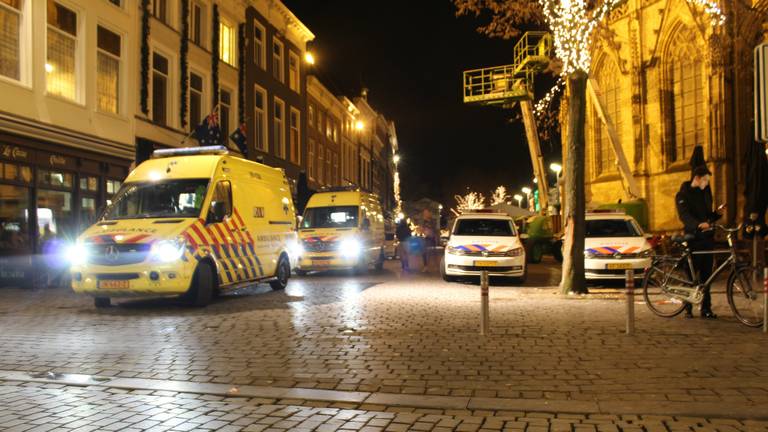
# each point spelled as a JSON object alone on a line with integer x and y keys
{"x": 694, "y": 208}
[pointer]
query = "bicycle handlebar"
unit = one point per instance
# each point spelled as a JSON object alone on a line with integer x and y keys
{"x": 728, "y": 230}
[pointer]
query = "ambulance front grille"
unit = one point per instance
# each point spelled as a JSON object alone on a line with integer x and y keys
{"x": 320, "y": 246}
{"x": 118, "y": 254}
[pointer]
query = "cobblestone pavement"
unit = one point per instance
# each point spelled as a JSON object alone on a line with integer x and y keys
{"x": 392, "y": 333}
{"x": 37, "y": 407}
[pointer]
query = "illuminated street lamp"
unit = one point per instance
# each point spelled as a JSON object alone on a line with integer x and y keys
{"x": 556, "y": 168}
{"x": 396, "y": 158}
{"x": 309, "y": 58}
{"x": 519, "y": 199}
{"x": 359, "y": 125}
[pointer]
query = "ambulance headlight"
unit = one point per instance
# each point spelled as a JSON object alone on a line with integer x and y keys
{"x": 167, "y": 250}
{"x": 77, "y": 253}
{"x": 297, "y": 249}
{"x": 350, "y": 248}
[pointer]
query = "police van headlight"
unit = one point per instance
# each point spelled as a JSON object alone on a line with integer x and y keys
{"x": 77, "y": 253}
{"x": 168, "y": 250}
{"x": 516, "y": 252}
{"x": 589, "y": 255}
{"x": 350, "y": 248}
{"x": 453, "y": 250}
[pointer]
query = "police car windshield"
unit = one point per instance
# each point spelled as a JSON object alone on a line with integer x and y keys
{"x": 330, "y": 217}
{"x": 162, "y": 199}
{"x": 484, "y": 228}
{"x": 612, "y": 228}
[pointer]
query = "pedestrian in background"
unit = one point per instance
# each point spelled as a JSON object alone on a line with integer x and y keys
{"x": 403, "y": 233}
{"x": 428, "y": 229}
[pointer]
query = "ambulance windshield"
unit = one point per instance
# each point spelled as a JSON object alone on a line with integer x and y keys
{"x": 182, "y": 198}
{"x": 330, "y": 217}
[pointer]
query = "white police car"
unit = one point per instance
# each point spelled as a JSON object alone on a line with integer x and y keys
{"x": 614, "y": 243}
{"x": 481, "y": 241}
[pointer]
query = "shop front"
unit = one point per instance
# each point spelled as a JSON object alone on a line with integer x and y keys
{"x": 48, "y": 194}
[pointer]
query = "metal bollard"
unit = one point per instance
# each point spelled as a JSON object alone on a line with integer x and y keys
{"x": 630, "y": 284}
{"x": 484, "y": 319}
{"x": 765, "y": 300}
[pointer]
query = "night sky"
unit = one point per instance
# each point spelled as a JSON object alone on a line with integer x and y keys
{"x": 410, "y": 55}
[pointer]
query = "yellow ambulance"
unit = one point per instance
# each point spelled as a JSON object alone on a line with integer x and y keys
{"x": 342, "y": 228}
{"x": 191, "y": 222}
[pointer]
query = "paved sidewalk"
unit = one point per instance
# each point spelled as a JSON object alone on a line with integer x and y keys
{"x": 387, "y": 333}
{"x": 42, "y": 407}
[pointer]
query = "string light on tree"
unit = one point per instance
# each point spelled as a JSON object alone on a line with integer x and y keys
{"x": 572, "y": 23}
{"x": 545, "y": 102}
{"x": 470, "y": 201}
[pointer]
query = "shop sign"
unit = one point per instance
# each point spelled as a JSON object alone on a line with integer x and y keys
{"x": 56, "y": 160}
{"x": 15, "y": 153}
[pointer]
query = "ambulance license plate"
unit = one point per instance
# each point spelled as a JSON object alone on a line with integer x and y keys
{"x": 114, "y": 284}
{"x": 486, "y": 263}
{"x": 618, "y": 266}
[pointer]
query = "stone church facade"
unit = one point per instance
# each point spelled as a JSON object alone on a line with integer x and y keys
{"x": 670, "y": 80}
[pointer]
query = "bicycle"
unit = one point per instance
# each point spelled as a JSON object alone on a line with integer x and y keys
{"x": 668, "y": 284}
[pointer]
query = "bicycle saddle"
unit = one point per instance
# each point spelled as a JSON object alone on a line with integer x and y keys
{"x": 682, "y": 239}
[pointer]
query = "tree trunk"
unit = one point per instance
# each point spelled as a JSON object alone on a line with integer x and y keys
{"x": 573, "y": 252}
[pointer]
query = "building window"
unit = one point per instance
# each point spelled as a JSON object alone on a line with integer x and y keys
{"x": 295, "y": 134}
{"x": 311, "y": 158}
{"x": 336, "y": 181}
{"x": 160, "y": 10}
{"x": 328, "y": 128}
{"x": 195, "y": 100}
{"x": 320, "y": 165}
{"x": 260, "y": 119}
{"x": 159, "y": 89}
{"x": 686, "y": 115}
{"x": 108, "y": 71}
{"x": 225, "y": 105}
{"x": 277, "y": 60}
{"x": 10, "y": 38}
{"x": 335, "y": 133}
{"x": 196, "y": 23}
{"x": 293, "y": 72}
{"x": 61, "y": 63}
{"x": 258, "y": 45}
{"x": 609, "y": 79}
{"x": 311, "y": 115}
{"x": 227, "y": 43}
{"x": 328, "y": 165}
{"x": 279, "y": 126}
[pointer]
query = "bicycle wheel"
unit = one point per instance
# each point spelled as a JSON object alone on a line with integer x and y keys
{"x": 658, "y": 301}
{"x": 746, "y": 296}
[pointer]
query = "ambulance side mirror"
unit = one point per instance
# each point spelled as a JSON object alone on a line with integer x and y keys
{"x": 366, "y": 224}
{"x": 218, "y": 212}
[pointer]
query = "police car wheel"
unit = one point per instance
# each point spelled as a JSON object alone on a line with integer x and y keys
{"x": 201, "y": 291}
{"x": 282, "y": 274}
{"x": 521, "y": 280}
{"x": 443, "y": 274}
{"x": 102, "y": 302}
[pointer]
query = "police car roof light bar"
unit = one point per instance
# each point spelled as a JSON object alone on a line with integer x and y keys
{"x": 190, "y": 151}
